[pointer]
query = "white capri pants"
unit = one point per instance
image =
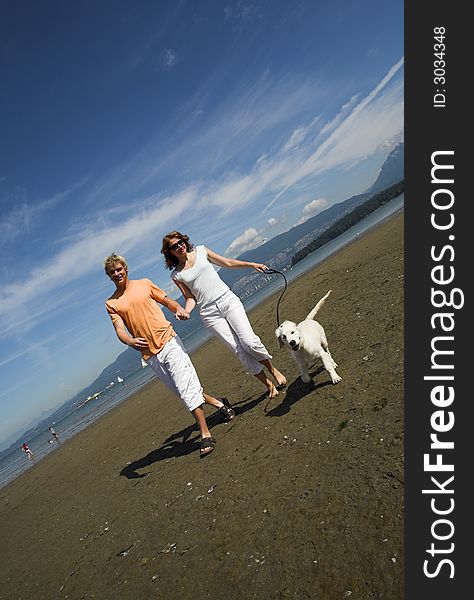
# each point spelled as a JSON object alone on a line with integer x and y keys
{"x": 227, "y": 320}
{"x": 174, "y": 367}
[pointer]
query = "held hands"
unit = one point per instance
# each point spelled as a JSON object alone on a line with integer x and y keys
{"x": 181, "y": 314}
{"x": 261, "y": 268}
{"x": 138, "y": 343}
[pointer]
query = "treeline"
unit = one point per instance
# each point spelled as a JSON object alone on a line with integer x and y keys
{"x": 347, "y": 221}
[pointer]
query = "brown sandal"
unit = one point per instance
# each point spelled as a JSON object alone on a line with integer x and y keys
{"x": 207, "y": 446}
{"x": 227, "y": 411}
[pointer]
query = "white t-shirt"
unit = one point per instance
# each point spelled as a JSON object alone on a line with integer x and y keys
{"x": 202, "y": 279}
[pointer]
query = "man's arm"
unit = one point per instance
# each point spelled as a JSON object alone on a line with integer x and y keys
{"x": 123, "y": 335}
{"x": 175, "y": 307}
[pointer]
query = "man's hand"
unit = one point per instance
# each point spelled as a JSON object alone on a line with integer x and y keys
{"x": 138, "y": 343}
{"x": 181, "y": 314}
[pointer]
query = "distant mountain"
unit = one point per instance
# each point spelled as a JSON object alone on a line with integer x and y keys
{"x": 392, "y": 169}
{"x": 278, "y": 250}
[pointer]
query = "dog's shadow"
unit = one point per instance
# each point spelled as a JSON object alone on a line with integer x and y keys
{"x": 296, "y": 391}
{"x": 186, "y": 441}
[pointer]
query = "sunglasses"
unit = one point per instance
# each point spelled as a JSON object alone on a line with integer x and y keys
{"x": 176, "y": 245}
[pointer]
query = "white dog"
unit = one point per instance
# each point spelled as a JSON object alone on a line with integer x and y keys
{"x": 307, "y": 342}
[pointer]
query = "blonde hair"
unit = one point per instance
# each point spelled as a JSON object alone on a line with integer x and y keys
{"x": 114, "y": 258}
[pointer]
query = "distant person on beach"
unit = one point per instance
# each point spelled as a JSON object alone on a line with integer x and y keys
{"x": 140, "y": 323}
{"x": 221, "y": 311}
{"x": 27, "y": 451}
{"x": 120, "y": 380}
{"x": 53, "y": 433}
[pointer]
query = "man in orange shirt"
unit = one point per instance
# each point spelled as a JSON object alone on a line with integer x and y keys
{"x": 140, "y": 323}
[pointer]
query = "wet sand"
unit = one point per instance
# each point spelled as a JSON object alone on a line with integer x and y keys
{"x": 302, "y": 498}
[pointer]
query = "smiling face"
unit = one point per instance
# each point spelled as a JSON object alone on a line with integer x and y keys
{"x": 118, "y": 273}
{"x": 288, "y": 333}
{"x": 178, "y": 247}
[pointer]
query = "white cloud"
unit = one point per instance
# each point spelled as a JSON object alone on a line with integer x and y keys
{"x": 313, "y": 208}
{"x": 274, "y": 221}
{"x": 248, "y": 240}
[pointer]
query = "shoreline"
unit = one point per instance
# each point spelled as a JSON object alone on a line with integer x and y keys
{"x": 306, "y": 492}
{"x": 42, "y": 456}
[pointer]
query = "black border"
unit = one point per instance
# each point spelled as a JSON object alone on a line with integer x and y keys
{"x": 429, "y": 129}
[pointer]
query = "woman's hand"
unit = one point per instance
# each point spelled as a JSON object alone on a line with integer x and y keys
{"x": 138, "y": 343}
{"x": 181, "y": 314}
{"x": 261, "y": 268}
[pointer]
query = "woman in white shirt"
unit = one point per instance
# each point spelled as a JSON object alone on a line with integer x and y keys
{"x": 220, "y": 309}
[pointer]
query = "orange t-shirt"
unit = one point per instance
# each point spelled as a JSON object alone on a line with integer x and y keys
{"x": 137, "y": 307}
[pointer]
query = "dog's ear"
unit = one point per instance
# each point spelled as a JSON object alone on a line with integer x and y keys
{"x": 278, "y": 334}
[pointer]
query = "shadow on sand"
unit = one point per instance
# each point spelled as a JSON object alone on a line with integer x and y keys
{"x": 296, "y": 391}
{"x": 185, "y": 441}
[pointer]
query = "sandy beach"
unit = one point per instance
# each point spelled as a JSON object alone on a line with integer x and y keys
{"x": 302, "y": 498}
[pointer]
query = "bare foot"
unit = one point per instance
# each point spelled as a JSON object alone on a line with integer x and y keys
{"x": 272, "y": 391}
{"x": 279, "y": 377}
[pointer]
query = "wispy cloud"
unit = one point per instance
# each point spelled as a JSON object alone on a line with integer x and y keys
{"x": 25, "y": 216}
{"x": 168, "y": 59}
{"x": 78, "y": 259}
{"x": 242, "y": 12}
{"x": 221, "y": 147}
{"x": 246, "y": 162}
{"x": 355, "y": 136}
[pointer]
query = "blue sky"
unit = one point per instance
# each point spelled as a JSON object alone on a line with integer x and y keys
{"x": 230, "y": 121}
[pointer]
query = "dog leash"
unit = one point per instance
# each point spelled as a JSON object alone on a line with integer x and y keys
{"x": 271, "y": 271}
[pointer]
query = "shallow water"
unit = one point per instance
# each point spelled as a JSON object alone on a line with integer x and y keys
{"x": 42, "y": 444}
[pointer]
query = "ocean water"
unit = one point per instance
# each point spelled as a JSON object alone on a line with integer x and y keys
{"x": 16, "y": 462}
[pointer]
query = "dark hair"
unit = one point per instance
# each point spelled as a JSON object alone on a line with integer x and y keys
{"x": 171, "y": 261}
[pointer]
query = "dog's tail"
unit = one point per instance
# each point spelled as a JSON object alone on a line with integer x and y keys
{"x": 312, "y": 314}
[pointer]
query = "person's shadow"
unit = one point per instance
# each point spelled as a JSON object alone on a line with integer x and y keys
{"x": 296, "y": 391}
{"x": 185, "y": 441}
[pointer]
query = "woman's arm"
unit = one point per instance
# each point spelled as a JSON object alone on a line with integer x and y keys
{"x": 187, "y": 295}
{"x": 232, "y": 263}
{"x": 180, "y": 313}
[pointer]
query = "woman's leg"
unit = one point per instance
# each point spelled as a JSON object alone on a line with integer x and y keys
{"x": 221, "y": 329}
{"x": 249, "y": 350}
{"x": 239, "y": 322}
{"x": 272, "y": 391}
{"x": 217, "y": 324}
{"x": 275, "y": 373}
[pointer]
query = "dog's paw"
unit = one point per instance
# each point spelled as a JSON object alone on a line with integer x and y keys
{"x": 335, "y": 378}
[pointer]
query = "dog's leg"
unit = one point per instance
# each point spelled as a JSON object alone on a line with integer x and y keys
{"x": 324, "y": 344}
{"x": 328, "y": 365}
{"x": 305, "y": 376}
{"x": 334, "y": 363}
